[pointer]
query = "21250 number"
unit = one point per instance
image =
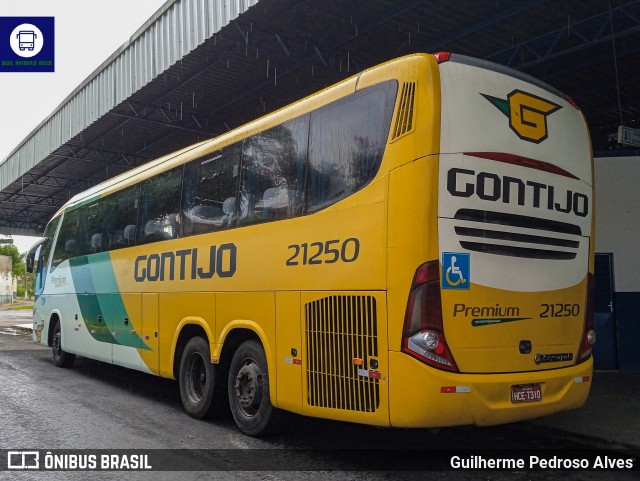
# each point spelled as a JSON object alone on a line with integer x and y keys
{"x": 328, "y": 252}
{"x": 559, "y": 310}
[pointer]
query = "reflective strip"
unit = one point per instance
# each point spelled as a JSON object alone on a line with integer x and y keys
{"x": 455, "y": 389}
{"x": 370, "y": 374}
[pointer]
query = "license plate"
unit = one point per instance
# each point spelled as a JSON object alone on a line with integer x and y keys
{"x": 526, "y": 393}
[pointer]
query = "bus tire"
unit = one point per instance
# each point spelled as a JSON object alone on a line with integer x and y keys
{"x": 201, "y": 393}
{"x": 60, "y": 358}
{"x": 248, "y": 389}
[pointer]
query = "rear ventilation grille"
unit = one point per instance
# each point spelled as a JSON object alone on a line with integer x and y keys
{"x": 404, "y": 119}
{"x": 340, "y": 329}
{"x": 516, "y": 235}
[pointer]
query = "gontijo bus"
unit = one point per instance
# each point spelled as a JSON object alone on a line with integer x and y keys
{"x": 410, "y": 247}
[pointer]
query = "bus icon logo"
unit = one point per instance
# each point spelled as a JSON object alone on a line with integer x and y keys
{"x": 456, "y": 270}
{"x": 26, "y": 40}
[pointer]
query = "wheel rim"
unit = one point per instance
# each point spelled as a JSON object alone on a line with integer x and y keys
{"x": 197, "y": 378}
{"x": 248, "y": 387}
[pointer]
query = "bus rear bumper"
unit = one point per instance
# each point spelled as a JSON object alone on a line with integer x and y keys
{"x": 421, "y": 396}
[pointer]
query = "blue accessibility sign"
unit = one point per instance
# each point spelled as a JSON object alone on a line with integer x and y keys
{"x": 456, "y": 270}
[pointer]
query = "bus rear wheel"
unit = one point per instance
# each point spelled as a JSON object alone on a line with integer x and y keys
{"x": 60, "y": 358}
{"x": 201, "y": 393}
{"x": 249, "y": 396}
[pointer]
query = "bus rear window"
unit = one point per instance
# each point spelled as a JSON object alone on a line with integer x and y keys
{"x": 346, "y": 142}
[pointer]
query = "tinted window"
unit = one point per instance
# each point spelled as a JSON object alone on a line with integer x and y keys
{"x": 66, "y": 245}
{"x": 346, "y": 143}
{"x": 43, "y": 256}
{"x": 120, "y": 217}
{"x": 273, "y": 170}
{"x": 91, "y": 235}
{"x": 159, "y": 207}
{"x": 210, "y": 189}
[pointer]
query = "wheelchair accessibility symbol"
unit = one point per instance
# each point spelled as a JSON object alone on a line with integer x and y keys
{"x": 455, "y": 270}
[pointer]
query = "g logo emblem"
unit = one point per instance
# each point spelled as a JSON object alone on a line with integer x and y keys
{"x": 527, "y": 114}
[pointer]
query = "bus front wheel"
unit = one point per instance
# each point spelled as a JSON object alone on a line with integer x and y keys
{"x": 60, "y": 357}
{"x": 201, "y": 393}
{"x": 249, "y": 397}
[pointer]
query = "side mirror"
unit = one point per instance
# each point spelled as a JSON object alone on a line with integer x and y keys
{"x": 30, "y": 262}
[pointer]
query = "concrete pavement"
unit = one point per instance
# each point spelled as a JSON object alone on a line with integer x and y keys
{"x": 610, "y": 418}
{"x": 17, "y": 315}
{"x": 610, "y": 415}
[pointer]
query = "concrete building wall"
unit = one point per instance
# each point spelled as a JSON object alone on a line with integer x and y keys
{"x": 6, "y": 279}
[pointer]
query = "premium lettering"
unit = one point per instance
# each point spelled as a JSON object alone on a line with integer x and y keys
{"x": 485, "y": 311}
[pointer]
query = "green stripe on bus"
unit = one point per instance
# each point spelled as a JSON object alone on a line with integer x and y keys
{"x": 96, "y": 269}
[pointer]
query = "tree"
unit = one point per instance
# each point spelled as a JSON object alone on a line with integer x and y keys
{"x": 17, "y": 259}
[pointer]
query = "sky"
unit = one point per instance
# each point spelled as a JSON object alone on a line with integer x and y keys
{"x": 86, "y": 34}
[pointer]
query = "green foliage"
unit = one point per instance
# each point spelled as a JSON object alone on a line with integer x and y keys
{"x": 18, "y": 259}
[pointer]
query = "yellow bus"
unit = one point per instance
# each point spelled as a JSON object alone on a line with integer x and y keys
{"x": 411, "y": 247}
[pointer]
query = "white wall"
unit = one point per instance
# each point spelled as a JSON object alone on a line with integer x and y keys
{"x": 617, "y": 212}
{"x": 6, "y": 279}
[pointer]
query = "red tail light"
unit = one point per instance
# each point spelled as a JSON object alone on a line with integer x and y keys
{"x": 588, "y": 334}
{"x": 423, "y": 333}
{"x": 571, "y": 101}
{"x": 442, "y": 57}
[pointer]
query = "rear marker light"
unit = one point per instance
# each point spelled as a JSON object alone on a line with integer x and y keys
{"x": 581, "y": 379}
{"x": 571, "y": 102}
{"x": 442, "y": 57}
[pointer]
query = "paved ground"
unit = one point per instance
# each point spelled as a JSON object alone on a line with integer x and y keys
{"x": 99, "y": 406}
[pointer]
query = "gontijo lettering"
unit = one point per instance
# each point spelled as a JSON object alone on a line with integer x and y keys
{"x": 186, "y": 264}
{"x": 493, "y": 187}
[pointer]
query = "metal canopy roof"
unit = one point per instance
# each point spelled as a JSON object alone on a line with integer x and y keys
{"x": 252, "y": 57}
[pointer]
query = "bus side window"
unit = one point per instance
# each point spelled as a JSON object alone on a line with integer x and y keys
{"x": 120, "y": 217}
{"x": 67, "y": 238}
{"x": 91, "y": 236}
{"x": 210, "y": 190}
{"x": 158, "y": 217}
{"x": 273, "y": 170}
{"x": 346, "y": 142}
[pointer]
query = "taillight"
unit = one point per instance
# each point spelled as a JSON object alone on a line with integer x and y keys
{"x": 588, "y": 334}
{"x": 442, "y": 57}
{"x": 423, "y": 333}
{"x": 571, "y": 102}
